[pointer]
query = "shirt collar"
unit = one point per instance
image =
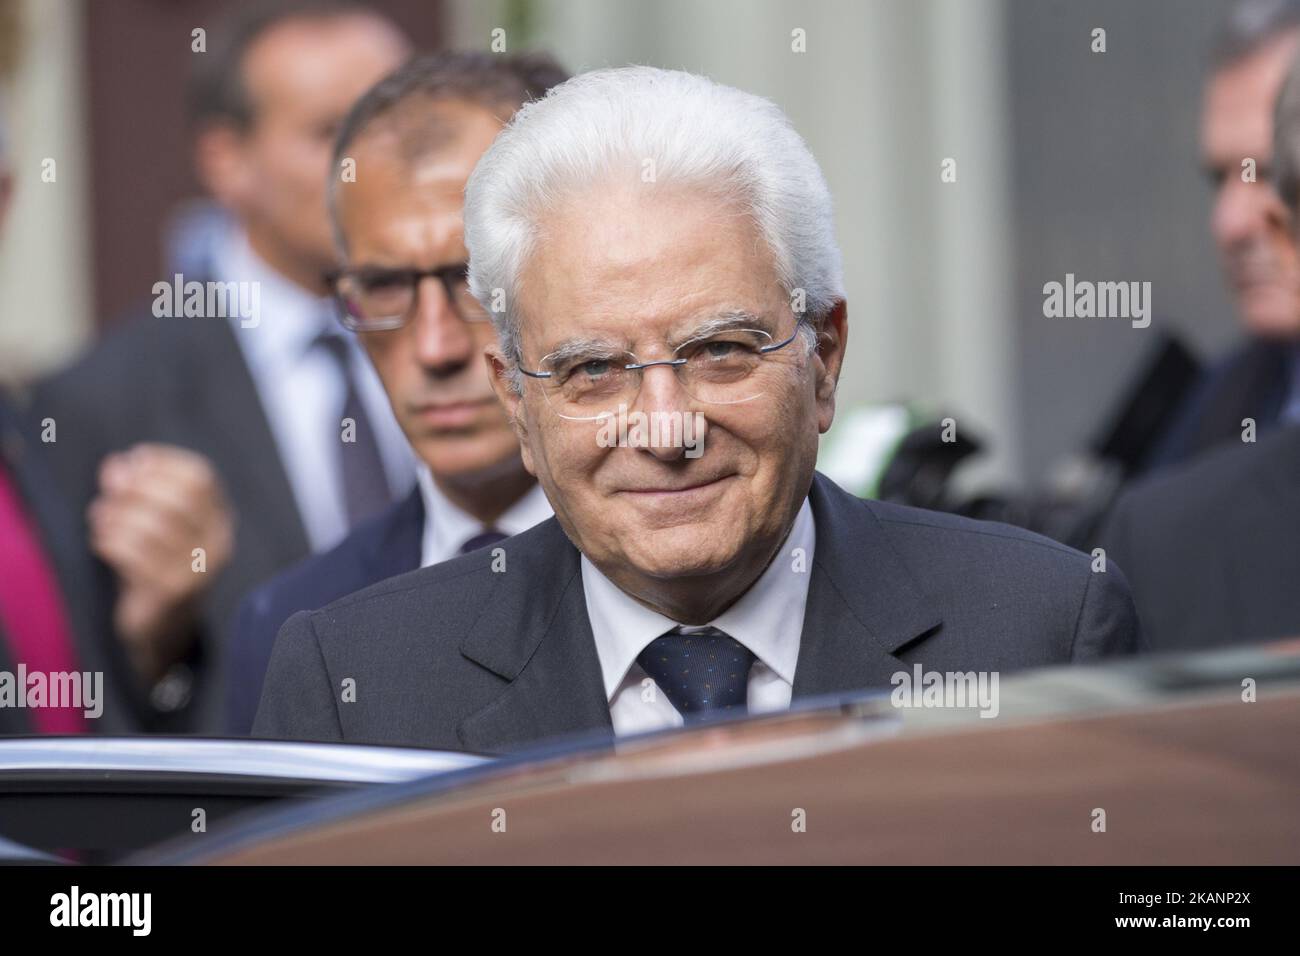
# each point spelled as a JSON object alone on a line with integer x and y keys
{"x": 447, "y": 527}
{"x": 299, "y": 318}
{"x": 767, "y": 619}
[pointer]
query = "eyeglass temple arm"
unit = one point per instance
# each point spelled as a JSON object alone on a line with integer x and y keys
{"x": 780, "y": 345}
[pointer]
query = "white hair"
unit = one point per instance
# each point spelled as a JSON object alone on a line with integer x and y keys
{"x": 694, "y": 132}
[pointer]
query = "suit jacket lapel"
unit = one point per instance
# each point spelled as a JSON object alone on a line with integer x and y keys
{"x": 864, "y": 604}
{"x": 240, "y": 438}
{"x": 534, "y": 632}
{"x": 864, "y": 607}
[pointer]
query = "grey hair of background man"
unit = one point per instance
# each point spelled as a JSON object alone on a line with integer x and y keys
{"x": 615, "y": 123}
{"x": 1286, "y": 139}
{"x": 1249, "y": 25}
{"x": 403, "y": 99}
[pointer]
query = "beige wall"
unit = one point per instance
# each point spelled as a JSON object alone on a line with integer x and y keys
{"x": 45, "y": 279}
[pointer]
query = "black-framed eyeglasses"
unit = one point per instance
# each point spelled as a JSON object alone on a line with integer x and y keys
{"x": 724, "y": 367}
{"x": 372, "y": 299}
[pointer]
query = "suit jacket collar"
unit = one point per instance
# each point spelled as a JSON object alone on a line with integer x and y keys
{"x": 864, "y": 603}
{"x": 538, "y": 638}
{"x": 864, "y": 606}
{"x": 394, "y": 548}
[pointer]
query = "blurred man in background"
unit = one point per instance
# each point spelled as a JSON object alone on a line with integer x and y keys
{"x": 276, "y": 400}
{"x": 1212, "y": 549}
{"x": 1251, "y": 227}
{"x": 414, "y": 139}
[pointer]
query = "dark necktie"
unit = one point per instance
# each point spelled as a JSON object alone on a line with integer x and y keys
{"x": 484, "y": 540}
{"x": 365, "y": 484}
{"x": 701, "y": 672}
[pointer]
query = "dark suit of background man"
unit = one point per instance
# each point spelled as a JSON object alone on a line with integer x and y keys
{"x": 263, "y": 397}
{"x": 417, "y": 135}
{"x": 1213, "y": 548}
{"x": 1260, "y": 379}
{"x": 685, "y": 574}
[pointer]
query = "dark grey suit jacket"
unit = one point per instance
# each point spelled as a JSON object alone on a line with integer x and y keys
{"x": 181, "y": 381}
{"x": 1213, "y": 547}
{"x": 461, "y": 657}
{"x": 383, "y": 547}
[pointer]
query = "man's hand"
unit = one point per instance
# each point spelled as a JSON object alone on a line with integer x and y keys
{"x": 156, "y": 505}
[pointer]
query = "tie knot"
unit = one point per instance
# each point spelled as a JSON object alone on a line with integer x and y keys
{"x": 699, "y": 671}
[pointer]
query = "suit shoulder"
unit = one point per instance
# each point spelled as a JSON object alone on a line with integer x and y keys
{"x": 973, "y": 534}
{"x": 321, "y": 579}
{"x": 320, "y": 574}
{"x": 311, "y": 583}
{"x": 459, "y": 575}
{"x": 142, "y": 344}
{"x": 1209, "y": 479}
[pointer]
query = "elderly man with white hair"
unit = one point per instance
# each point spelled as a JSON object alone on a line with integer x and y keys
{"x": 658, "y": 254}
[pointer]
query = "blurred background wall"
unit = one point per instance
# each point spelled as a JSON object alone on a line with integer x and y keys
{"x": 46, "y": 251}
{"x": 1105, "y": 182}
{"x": 1066, "y": 160}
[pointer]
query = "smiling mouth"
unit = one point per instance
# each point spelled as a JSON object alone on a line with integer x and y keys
{"x": 670, "y": 492}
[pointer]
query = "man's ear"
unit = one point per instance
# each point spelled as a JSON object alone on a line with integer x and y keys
{"x": 221, "y": 164}
{"x": 498, "y": 370}
{"x": 832, "y": 339}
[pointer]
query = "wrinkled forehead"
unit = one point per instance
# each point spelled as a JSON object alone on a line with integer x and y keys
{"x": 415, "y": 169}
{"x": 645, "y": 267}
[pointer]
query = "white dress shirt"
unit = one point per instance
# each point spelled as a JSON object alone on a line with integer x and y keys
{"x": 768, "y": 620}
{"x": 302, "y": 393}
{"x": 447, "y": 527}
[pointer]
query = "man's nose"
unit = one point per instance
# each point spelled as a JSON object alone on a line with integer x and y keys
{"x": 443, "y": 341}
{"x": 1240, "y": 211}
{"x": 662, "y": 394}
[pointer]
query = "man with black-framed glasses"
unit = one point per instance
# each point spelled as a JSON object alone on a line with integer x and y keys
{"x": 213, "y": 418}
{"x": 403, "y": 293}
{"x": 653, "y": 247}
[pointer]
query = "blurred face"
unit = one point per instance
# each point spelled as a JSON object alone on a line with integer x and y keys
{"x": 642, "y": 270}
{"x": 1251, "y": 226}
{"x": 302, "y": 76}
{"x": 395, "y": 217}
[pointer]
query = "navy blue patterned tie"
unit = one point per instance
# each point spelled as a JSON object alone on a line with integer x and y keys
{"x": 705, "y": 671}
